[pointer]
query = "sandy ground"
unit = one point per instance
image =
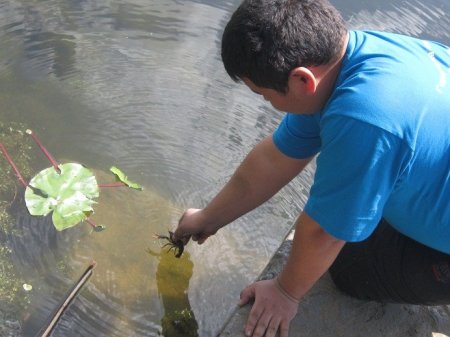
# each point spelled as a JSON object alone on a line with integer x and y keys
{"x": 326, "y": 312}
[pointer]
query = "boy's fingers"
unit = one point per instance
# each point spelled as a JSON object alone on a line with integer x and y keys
{"x": 185, "y": 239}
{"x": 284, "y": 329}
{"x": 247, "y": 294}
{"x": 179, "y": 236}
{"x": 200, "y": 238}
{"x": 273, "y": 327}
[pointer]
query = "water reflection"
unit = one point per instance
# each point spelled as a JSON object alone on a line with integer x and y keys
{"x": 172, "y": 277}
{"x": 51, "y": 53}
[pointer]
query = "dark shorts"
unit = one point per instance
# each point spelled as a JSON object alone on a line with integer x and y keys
{"x": 390, "y": 267}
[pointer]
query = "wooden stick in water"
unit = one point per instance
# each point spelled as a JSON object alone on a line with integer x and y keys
{"x": 56, "y": 315}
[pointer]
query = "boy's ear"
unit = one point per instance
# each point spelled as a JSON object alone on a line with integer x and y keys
{"x": 302, "y": 78}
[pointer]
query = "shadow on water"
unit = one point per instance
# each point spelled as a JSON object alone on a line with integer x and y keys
{"x": 172, "y": 277}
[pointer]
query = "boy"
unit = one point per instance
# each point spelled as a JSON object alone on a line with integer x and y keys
{"x": 375, "y": 107}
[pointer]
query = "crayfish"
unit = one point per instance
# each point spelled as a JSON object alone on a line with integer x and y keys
{"x": 176, "y": 245}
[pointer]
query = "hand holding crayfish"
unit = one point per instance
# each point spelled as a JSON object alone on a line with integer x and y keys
{"x": 176, "y": 245}
{"x": 194, "y": 224}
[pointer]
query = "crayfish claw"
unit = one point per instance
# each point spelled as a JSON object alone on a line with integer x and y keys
{"x": 177, "y": 246}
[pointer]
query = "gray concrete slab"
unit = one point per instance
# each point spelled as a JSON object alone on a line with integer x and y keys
{"x": 327, "y": 312}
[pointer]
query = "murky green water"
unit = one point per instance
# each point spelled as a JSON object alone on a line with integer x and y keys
{"x": 139, "y": 84}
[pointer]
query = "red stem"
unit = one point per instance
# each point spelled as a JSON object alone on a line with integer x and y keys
{"x": 11, "y": 162}
{"x": 44, "y": 150}
{"x": 90, "y": 222}
{"x": 118, "y": 184}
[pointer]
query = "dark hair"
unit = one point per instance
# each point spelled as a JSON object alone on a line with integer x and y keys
{"x": 265, "y": 39}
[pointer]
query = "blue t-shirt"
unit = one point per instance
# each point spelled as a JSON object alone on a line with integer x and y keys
{"x": 384, "y": 141}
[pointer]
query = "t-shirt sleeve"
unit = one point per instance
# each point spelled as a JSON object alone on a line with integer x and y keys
{"x": 357, "y": 169}
{"x": 298, "y": 136}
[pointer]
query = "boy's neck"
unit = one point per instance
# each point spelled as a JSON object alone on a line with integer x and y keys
{"x": 327, "y": 74}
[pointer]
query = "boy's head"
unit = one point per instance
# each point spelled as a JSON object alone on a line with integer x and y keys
{"x": 265, "y": 39}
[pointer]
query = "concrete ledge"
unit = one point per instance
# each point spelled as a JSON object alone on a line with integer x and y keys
{"x": 329, "y": 313}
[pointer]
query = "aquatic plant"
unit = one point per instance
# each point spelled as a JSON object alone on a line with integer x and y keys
{"x": 68, "y": 191}
{"x": 12, "y": 295}
{"x": 180, "y": 323}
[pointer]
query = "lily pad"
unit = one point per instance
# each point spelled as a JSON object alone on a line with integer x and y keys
{"x": 68, "y": 194}
{"x": 124, "y": 179}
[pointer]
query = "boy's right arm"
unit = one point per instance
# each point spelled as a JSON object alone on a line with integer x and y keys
{"x": 263, "y": 172}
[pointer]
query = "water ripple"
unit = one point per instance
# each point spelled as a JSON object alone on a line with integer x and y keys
{"x": 416, "y": 18}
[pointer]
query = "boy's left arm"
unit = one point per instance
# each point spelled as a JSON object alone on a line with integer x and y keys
{"x": 276, "y": 301}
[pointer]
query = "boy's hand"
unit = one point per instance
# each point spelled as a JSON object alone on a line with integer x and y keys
{"x": 192, "y": 224}
{"x": 271, "y": 312}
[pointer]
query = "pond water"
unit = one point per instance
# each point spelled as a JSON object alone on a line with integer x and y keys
{"x": 140, "y": 85}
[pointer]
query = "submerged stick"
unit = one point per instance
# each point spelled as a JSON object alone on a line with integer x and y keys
{"x": 56, "y": 315}
{"x": 44, "y": 150}
{"x": 13, "y": 165}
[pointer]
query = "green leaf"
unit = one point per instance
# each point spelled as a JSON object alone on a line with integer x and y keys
{"x": 123, "y": 178}
{"x": 68, "y": 194}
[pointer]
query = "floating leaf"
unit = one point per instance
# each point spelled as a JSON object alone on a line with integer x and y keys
{"x": 68, "y": 194}
{"x": 123, "y": 178}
